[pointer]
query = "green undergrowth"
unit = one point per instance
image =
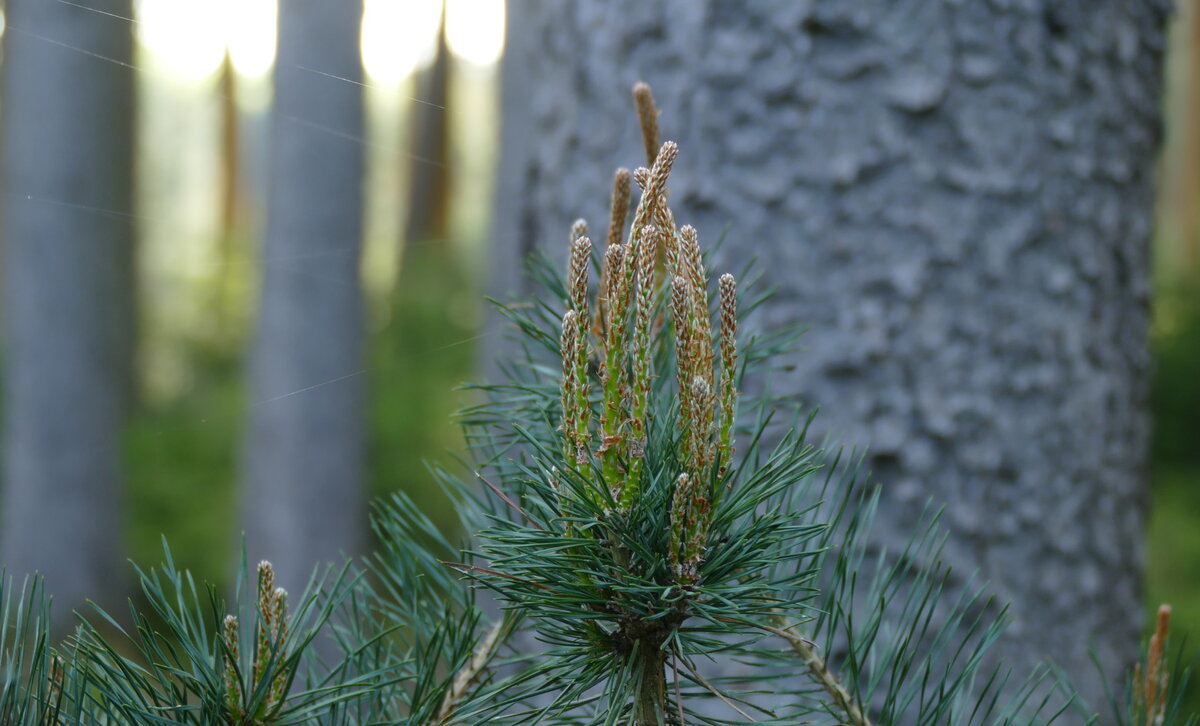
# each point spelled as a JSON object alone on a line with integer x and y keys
{"x": 182, "y": 454}
{"x": 1173, "y": 534}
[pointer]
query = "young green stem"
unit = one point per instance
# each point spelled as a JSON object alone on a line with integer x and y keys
{"x": 650, "y": 707}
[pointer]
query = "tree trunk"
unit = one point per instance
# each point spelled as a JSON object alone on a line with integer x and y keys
{"x": 956, "y": 197}
{"x": 304, "y": 452}
{"x": 68, "y": 292}
{"x": 429, "y": 161}
{"x": 230, "y": 212}
{"x": 1187, "y": 182}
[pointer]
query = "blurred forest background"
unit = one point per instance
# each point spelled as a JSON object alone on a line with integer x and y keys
{"x": 203, "y": 94}
{"x": 1173, "y": 549}
{"x": 429, "y": 139}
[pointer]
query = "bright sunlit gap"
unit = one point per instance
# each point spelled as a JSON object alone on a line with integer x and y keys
{"x": 398, "y": 37}
{"x": 475, "y": 30}
{"x": 189, "y": 38}
{"x": 251, "y": 37}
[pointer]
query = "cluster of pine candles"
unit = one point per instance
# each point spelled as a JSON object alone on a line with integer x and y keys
{"x": 266, "y": 676}
{"x": 619, "y": 333}
{"x": 651, "y": 277}
{"x": 611, "y": 339}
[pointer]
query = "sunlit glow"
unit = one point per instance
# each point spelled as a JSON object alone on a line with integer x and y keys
{"x": 475, "y": 30}
{"x": 1, "y": 24}
{"x": 250, "y": 35}
{"x": 398, "y": 36}
{"x": 184, "y": 35}
{"x": 190, "y": 37}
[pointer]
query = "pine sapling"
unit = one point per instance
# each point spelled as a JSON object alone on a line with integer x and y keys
{"x": 644, "y": 546}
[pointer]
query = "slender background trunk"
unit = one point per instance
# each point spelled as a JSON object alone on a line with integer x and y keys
{"x": 304, "y": 452}
{"x": 68, "y": 229}
{"x": 956, "y": 197}
{"x": 1187, "y": 181}
{"x": 429, "y": 159}
{"x": 231, "y": 212}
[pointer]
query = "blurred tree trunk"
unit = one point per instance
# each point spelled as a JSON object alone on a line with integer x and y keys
{"x": 429, "y": 157}
{"x": 68, "y": 230}
{"x": 956, "y": 197}
{"x": 1187, "y": 187}
{"x": 230, "y": 213}
{"x": 304, "y": 451}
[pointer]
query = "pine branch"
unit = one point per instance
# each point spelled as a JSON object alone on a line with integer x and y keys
{"x": 820, "y": 671}
{"x": 708, "y": 686}
{"x": 469, "y": 675}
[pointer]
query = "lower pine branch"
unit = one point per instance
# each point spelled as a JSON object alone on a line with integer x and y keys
{"x": 470, "y": 673}
{"x": 820, "y": 671}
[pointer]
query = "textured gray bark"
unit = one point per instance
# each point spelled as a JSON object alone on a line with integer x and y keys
{"x": 304, "y": 451}
{"x": 68, "y": 240}
{"x": 955, "y": 196}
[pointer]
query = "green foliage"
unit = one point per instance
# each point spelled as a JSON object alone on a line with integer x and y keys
{"x": 182, "y": 453}
{"x": 417, "y": 362}
{"x": 1175, "y": 396}
{"x": 432, "y": 627}
{"x": 1173, "y": 546}
{"x": 1173, "y": 551}
{"x": 181, "y": 459}
{"x": 1156, "y": 690}
{"x": 173, "y": 665}
{"x": 30, "y": 692}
